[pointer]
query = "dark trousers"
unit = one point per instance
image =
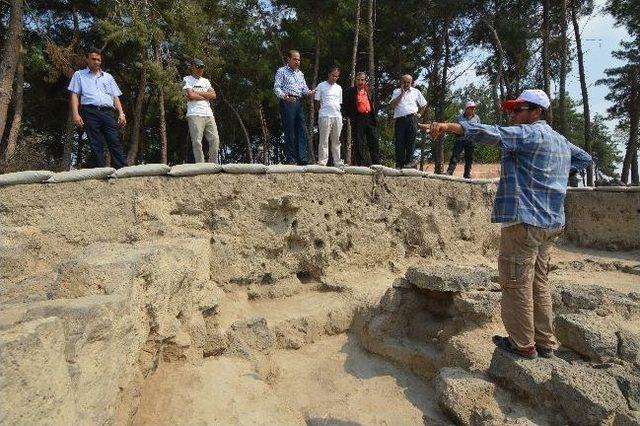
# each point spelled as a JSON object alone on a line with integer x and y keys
{"x": 458, "y": 147}
{"x": 365, "y": 136}
{"x": 101, "y": 126}
{"x": 295, "y": 135}
{"x": 405, "y": 131}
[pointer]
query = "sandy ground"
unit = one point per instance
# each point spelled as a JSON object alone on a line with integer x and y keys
{"x": 332, "y": 381}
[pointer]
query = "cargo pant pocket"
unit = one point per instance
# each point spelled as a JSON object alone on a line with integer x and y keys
{"x": 514, "y": 271}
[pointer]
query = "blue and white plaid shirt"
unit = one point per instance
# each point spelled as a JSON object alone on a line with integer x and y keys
{"x": 535, "y": 166}
{"x": 289, "y": 82}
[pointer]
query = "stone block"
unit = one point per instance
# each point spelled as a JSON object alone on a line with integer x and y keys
{"x": 587, "y": 396}
{"x": 462, "y": 395}
{"x": 588, "y": 334}
{"x": 451, "y": 278}
{"x": 629, "y": 345}
{"x": 478, "y": 306}
{"x": 629, "y": 383}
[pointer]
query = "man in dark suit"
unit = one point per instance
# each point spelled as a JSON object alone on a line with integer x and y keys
{"x": 358, "y": 106}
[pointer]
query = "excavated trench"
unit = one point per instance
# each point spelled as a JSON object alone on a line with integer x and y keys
{"x": 300, "y": 299}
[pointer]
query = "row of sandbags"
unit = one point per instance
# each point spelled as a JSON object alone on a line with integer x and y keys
{"x": 40, "y": 176}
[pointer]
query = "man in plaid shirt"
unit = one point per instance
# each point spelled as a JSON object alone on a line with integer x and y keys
{"x": 536, "y": 162}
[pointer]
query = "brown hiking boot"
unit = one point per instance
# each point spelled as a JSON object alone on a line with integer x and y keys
{"x": 545, "y": 352}
{"x": 505, "y": 344}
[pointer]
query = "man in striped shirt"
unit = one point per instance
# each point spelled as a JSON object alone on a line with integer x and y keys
{"x": 535, "y": 164}
{"x": 289, "y": 86}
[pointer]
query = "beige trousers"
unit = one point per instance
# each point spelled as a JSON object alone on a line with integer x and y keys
{"x": 329, "y": 127}
{"x": 200, "y": 125}
{"x": 523, "y": 265}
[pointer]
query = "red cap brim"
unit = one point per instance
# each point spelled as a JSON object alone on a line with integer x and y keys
{"x": 511, "y": 104}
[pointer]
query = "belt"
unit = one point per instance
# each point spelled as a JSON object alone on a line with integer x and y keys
{"x": 99, "y": 107}
{"x": 413, "y": 114}
{"x": 294, "y": 96}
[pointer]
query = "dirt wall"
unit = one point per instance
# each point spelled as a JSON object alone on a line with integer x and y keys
{"x": 605, "y": 218}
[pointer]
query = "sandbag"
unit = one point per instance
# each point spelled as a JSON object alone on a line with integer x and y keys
{"x": 387, "y": 171}
{"x": 285, "y": 168}
{"x": 244, "y": 168}
{"x": 195, "y": 169}
{"x": 28, "y": 176}
{"x": 83, "y": 174}
{"x": 412, "y": 172}
{"x": 142, "y": 170}
{"x": 358, "y": 170}
{"x": 315, "y": 168}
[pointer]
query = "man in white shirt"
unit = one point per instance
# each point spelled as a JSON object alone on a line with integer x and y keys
{"x": 199, "y": 93}
{"x": 408, "y": 104}
{"x": 327, "y": 100}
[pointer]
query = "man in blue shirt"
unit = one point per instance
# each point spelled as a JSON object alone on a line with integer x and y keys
{"x": 289, "y": 86}
{"x": 462, "y": 144}
{"x": 535, "y": 165}
{"x": 94, "y": 97}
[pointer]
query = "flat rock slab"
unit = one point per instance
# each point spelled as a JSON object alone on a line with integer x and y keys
{"x": 588, "y": 334}
{"x": 587, "y": 396}
{"x": 528, "y": 378}
{"x": 358, "y": 170}
{"x": 451, "y": 278}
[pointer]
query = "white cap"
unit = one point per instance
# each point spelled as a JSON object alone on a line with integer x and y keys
{"x": 535, "y": 96}
{"x": 469, "y": 104}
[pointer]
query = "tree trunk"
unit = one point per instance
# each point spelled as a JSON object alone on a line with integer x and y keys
{"x": 242, "y": 126}
{"x": 352, "y": 77}
{"x": 265, "y": 136}
{"x": 583, "y": 87}
{"x": 630, "y": 158}
{"x": 372, "y": 63}
{"x": 163, "y": 119}
{"x": 316, "y": 68}
{"x": 440, "y": 106}
{"x": 137, "y": 117}
{"x": 546, "y": 65}
{"x": 10, "y": 54}
{"x": 562, "y": 100}
{"x": 497, "y": 85}
{"x": 16, "y": 124}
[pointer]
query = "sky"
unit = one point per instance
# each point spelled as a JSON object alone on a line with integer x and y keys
{"x": 599, "y": 38}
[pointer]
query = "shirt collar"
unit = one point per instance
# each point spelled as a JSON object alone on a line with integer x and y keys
{"x": 291, "y": 69}
{"x": 101, "y": 73}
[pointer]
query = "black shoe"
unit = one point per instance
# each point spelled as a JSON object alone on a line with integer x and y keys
{"x": 545, "y": 352}
{"x": 505, "y": 344}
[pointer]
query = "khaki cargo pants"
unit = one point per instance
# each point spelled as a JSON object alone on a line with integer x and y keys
{"x": 523, "y": 264}
{"x": 200, "y": 125}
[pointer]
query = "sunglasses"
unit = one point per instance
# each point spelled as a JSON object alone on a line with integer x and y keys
{"x": 519, "y": 109}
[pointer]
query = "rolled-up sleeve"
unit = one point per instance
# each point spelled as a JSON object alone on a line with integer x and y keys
{"x": 277, "y": 84}
{"x": 74, "y": 84}
{"x": 115, "y": 90}
{"x": 580, "y": 159}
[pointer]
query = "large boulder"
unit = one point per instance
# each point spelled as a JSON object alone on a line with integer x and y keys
{"x": 452, "y": 278}
{"x": 572, "y": 298}
{"x": 462, "y": 395}
{"x": 588, "y": 334}
{"x": 587, "y": 396}
{"x": 528, "y": 378}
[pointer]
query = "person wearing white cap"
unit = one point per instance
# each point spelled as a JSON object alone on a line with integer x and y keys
{"x": 535, "y": 165}
{"x": 461, "y": 143}
{"x": 199, "y": 94}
